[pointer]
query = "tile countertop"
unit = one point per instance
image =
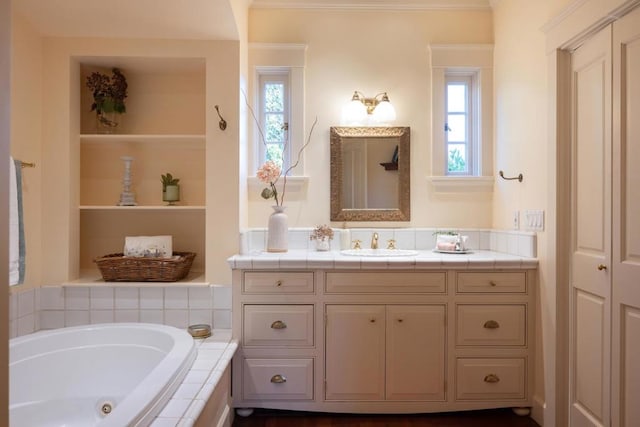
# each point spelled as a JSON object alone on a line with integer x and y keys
{"x": 425, "y": 259}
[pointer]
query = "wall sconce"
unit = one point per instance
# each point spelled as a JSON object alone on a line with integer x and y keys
{"x": 363, "y": 111}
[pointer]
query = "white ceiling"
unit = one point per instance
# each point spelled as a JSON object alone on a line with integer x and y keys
{"x": 182, "y": 19}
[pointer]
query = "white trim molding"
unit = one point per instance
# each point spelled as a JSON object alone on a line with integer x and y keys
{"x": 462, "y": 184}
{"x": 374, "y": 4}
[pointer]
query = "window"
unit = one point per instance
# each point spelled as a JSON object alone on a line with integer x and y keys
{"x": 460, "y": 124}
{"x": 462, "y": 117}
{"x": 273, "y": 100}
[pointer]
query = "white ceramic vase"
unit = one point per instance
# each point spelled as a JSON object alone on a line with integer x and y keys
{"x": 323, "y": 244}
{"x": 278, "y": 230}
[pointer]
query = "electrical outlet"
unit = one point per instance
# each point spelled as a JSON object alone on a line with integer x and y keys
{"x": 516, "y": 220}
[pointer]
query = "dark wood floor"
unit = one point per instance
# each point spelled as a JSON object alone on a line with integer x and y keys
{"x": 492, "y": 418}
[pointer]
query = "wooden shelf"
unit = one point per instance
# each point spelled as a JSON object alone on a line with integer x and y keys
{"x": 142, "y": 208}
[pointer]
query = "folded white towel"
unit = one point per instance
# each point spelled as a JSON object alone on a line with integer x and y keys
{"x": 148, "y": 246}
{"x": 14, "y": 226}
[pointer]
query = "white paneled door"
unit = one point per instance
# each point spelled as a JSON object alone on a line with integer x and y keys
{"x": 605, "y": 196}
{"x": 591, "y": 233}
{"x": 625, "y": 361}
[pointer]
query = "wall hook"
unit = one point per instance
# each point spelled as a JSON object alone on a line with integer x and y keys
{"x": 223, "y": 122}
{"x": 519, "y": 177}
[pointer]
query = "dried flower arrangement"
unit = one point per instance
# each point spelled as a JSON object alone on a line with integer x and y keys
{"x": 321, "y": 232}
{"x": 109, "y": 93}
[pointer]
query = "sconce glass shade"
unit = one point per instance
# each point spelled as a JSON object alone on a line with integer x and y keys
{"x": 384, "y": 113}
{"x": 354, "y": 113}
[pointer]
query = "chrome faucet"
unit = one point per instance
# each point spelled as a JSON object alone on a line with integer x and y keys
{"x": 374, "y": 241}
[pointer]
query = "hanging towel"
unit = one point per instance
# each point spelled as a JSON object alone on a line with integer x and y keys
{"x": 16, "y": 226}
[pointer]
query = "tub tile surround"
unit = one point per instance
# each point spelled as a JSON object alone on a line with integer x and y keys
{"x": 188, "y": 402}
{"x": 52, "y": 307}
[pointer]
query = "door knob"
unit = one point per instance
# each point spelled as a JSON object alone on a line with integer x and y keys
{"x": 602, "y": 267}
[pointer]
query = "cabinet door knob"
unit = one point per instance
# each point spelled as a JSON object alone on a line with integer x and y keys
{"x": 400, "y": 320}
{"x": 278, "y": 379}
{"x": 278, "y": 324}
{"x": 491, "y": 324}
{"x": 602, "y": 267}
{"x": 372, "y": 320}
{"x": 279, "y": 283}
{"x": 491, "y": 378}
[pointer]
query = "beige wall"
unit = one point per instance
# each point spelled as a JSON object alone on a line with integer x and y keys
{"x": 26, "y": 134}
{"x": 5, "y": 105}
{"x": 520, "y": 79}
{"x": 372, "y": 51}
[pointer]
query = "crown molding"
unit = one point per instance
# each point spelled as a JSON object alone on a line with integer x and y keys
{"x": 374, "y": 4}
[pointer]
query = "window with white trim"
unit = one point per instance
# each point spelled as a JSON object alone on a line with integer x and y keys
{"x": 274, "y": 101}
{"x": 461, "y": 119}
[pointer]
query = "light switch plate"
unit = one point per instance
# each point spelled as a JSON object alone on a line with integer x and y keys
{"x": 534, "y": 220}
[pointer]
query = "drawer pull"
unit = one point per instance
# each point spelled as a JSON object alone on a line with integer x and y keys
{"x": 279, "y": 283}
{"x": 491, "y": 378}
{"x": 278, "y": 379}
{"x": 492, "y": 283}
{"x": 278, "y": 324}
{"x": 491, "y": 324}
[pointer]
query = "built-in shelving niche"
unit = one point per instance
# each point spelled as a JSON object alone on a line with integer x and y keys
{"x": 164, "y": 131}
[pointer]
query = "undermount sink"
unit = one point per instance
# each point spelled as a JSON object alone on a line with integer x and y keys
{"x": 379, "y": 252}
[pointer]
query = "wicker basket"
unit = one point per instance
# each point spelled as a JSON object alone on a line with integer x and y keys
{"x": 118, "y": 268}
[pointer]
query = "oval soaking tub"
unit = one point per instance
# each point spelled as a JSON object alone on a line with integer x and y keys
{"x": 119, "y": 374}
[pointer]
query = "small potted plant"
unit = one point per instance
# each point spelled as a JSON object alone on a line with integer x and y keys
{"x": 109, "y": 94}
{"x": 170, "y": 189}
{"x": 322, "y": 234}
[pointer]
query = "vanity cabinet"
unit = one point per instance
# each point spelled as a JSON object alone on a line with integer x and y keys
{"x": 383, "y": 341}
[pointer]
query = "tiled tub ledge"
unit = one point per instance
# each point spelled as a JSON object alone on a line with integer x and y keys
{"x": 203, "y": 398}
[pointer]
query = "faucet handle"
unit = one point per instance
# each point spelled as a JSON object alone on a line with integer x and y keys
{"x": 356, "y": 244}
{"x": 391, "y": 244}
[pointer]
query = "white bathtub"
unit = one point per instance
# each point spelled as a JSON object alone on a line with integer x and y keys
{"x": 64, "y": 377}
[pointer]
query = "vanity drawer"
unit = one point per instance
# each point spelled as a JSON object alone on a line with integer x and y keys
{"x": 490, "y": 379}
{"x": 277, "y": 379}
{"x": 278, "y": 283}
{"x": 492, "y": 282}
{"x": 278, "y": 325}
{"x": 386, "y": 282}
{"x": 481, "y": 324}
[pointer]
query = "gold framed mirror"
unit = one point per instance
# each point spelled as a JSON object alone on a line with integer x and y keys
{"x": 370, "y": 173}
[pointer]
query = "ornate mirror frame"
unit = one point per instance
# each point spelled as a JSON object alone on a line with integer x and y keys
{"x": 403, "y": 212}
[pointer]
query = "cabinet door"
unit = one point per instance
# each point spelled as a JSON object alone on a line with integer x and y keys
{"x": 415, "y": 352}
{"x": 354, "y": 352}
